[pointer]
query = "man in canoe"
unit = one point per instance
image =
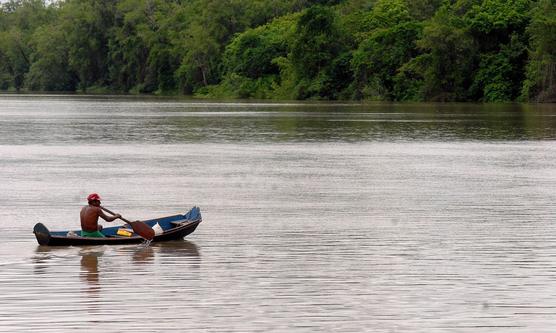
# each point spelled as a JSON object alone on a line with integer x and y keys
{"x": 89, "y": 217}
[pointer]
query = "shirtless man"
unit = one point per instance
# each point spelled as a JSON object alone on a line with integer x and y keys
{"x": 89, "y": 217}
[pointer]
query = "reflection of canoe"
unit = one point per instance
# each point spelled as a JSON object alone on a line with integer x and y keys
{"x": 179, "y": 248}
{"x": 174, "y": 227}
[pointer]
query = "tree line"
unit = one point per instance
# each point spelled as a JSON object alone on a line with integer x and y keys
{"x": 393, "y": 50}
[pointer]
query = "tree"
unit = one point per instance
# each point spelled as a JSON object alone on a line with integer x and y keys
{"x": 18, "y": 21}
{"x": 142, "y": 46}
{"x": 199, "y": 64}
{"x": 128, "y": 46}
{"x": 423, "y": 9}
{"x": 203, "y": 41}
{"x": 87, "y": 23}
{"x": 448, "y": 58}
{"x": 389, "y": 44}
{"x": 250, "y": 66}
{"x": 540, "y": 84}
{"x": 316, "y": 44}
{"x": 493, "y": 22}
{"x": 500, "y": 74}
{"x": 15, "y": 52}
{"x": 49, "y": 69}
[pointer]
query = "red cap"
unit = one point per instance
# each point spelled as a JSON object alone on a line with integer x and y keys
{"x": 93, "y": 196}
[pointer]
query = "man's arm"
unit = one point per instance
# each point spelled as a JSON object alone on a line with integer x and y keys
{"x": 106, "y": 217}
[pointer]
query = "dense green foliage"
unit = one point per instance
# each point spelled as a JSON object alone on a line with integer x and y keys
{"x": 397, "y": 50}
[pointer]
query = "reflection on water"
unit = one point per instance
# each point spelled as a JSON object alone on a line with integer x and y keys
{"x": 317, "y": 217}
{"x": 143, "y": 255}
{"x": 57, "y": 120}
{"x": 178, "y": 248}
{"x": 89, "y": 270}
{"x": 87, "y": 280}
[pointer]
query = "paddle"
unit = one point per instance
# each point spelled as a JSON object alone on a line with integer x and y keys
{"x": 140, "y": 228}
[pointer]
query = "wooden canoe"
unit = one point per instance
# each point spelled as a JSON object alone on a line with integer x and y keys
{"x": 173, "y": 227}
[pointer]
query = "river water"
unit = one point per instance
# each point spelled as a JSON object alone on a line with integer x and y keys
{"x": 317, "y": 217}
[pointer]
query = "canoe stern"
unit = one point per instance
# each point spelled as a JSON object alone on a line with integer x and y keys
{"x": 42, "y": 234}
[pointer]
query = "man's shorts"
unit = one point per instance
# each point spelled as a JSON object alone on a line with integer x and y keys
{"x": 97, "y": 234}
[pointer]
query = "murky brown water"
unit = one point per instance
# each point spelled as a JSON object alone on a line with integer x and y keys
{"x": 317, "y": 217}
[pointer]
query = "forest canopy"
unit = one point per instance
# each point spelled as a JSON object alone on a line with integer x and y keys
{"x": 392, "y": 50}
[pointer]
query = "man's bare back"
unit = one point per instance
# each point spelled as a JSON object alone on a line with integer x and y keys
{"x": 89, "y": 214}
{"x": 89, "y": 218}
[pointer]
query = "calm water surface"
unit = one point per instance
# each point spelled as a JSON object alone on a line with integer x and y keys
{"x": 317, "y": 217}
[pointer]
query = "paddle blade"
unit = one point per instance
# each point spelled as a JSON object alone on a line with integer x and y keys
{"x": 142, "y": 229}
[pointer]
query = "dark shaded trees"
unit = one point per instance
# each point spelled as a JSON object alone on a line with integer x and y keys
{"x": 465, "y": 50}
{"x": 540, "y": 84}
